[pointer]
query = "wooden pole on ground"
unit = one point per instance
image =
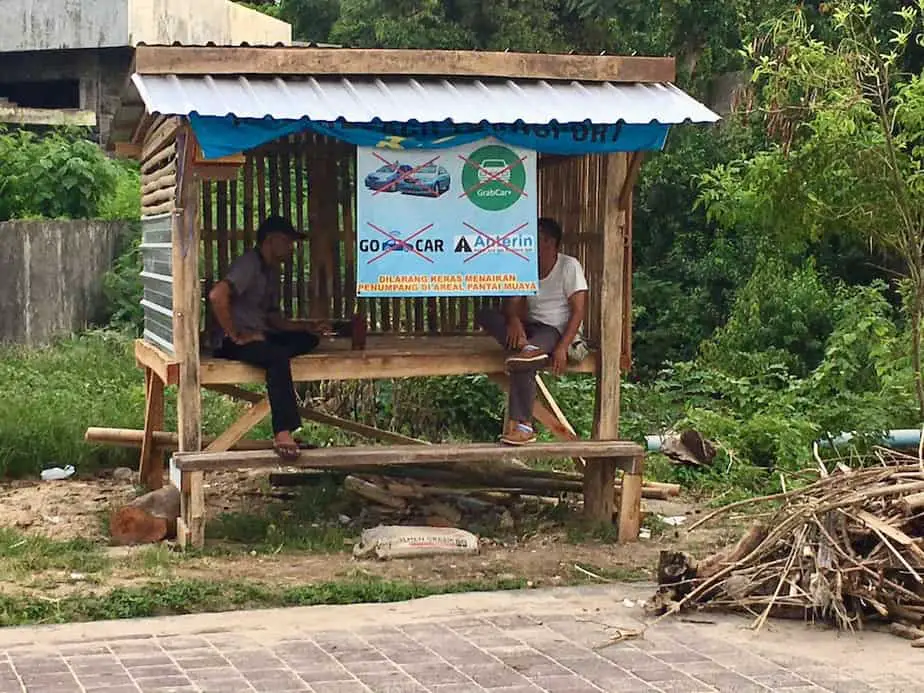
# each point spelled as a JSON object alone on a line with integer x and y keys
{"x": 163, "y": 440}
{"x": 185, "y": 241}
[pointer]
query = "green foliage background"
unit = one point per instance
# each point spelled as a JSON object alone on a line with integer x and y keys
{"x": 767, "y": 313}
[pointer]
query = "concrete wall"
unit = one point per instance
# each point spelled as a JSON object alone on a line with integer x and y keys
{"x": 32, "y": 25}
{"x": 51, "y": 276}
{"x": 220, "y": 21}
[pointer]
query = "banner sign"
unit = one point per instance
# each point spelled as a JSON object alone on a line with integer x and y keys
{"x": 225, "y": 135}
{"x": 458, "y": 221}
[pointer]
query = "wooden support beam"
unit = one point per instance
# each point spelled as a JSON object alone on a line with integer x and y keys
{"x": 236, "y": 431}
{"x": 600, "y": 475}
{"x": 151, "y": 463}
{"x": 371, "y": 364}
{"x": 169, "y": 60}
{"x": 311, "y": 414}
{"x": 164, "y": 365}
{"x": 548, "y": 400}
{"x": 365, "y": 456}
{"x": 542, "y": 413}
{"x": 186, "y": 297}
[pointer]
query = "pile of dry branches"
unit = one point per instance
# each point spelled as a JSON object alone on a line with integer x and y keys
{"x": 846, "y": 549}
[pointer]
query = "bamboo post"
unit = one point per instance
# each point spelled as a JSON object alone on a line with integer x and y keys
{"x": 600, "y": 475}
{"x": 150, "y": 467}
{"x": 186, "y": 298}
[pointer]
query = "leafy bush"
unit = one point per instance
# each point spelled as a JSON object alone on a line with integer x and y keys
{"x": 122, "y": 287}
{"x": 781, "y": 314}
{"x": 61, "y": 175}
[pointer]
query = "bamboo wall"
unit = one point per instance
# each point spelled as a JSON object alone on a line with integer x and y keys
{"x": 311, "y": 180}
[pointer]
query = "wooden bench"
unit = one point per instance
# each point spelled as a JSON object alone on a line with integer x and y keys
{"x": 187, "y": 469}
{"x": 385, "y": 356}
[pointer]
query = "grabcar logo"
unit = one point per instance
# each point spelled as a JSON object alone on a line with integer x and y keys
{"x": 493, "y": 178}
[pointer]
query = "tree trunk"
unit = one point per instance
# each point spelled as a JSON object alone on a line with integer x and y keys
{"x": 916, "y": 309}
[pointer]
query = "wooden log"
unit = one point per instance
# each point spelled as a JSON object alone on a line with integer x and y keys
{"x": 147, "y": 519}
{"x": 368, "y": 490}
{"x": 159, "y": 137}
{"x": 166, "y": 440}
{"x": 708, "y": 567}
{"x": 156, "y": 210}
{"x": 159, "y": 160}
{"x": 456, "y": 481}
{"x": 630, "y": 507}
{"x": 912, "y": 504}
{"x": 444, "y": 511}
{"x": 164, "y": 178}
{"x": 156, "y": 197}
{"x": 906, "y": 632}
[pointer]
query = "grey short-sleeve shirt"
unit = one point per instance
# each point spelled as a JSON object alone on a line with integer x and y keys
{"x": 256, "y": 292}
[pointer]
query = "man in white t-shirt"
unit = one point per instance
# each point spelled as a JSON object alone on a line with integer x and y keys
{"x": 539, "y": 330}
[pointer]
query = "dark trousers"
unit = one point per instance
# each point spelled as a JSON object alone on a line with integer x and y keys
{"x": 273, "y": 355}
{"x": 522, "y": 383}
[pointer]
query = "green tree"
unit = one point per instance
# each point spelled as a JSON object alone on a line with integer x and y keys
{"x": 849, "y": 126}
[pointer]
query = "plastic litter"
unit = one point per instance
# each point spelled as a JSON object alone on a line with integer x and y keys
{"x": 58, "y": 473}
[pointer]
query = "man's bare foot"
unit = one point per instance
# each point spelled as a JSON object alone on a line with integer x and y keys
{"x": 285, "y": 445}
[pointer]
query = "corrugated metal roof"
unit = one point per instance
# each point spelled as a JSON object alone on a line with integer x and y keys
{"x": 422, "y": 100}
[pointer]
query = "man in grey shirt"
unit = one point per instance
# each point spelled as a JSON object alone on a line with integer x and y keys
{"x": 245, "y": 304}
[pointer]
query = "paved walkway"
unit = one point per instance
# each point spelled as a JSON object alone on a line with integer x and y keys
{"x": 523, "y": 642}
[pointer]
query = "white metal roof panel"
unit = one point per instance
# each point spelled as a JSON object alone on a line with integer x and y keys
{"x": 421, "y": 100}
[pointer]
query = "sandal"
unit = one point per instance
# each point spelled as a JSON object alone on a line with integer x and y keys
{"x": 287, "y": 451}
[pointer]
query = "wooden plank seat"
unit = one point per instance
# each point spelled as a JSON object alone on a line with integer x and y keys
{"x": 187, "y": 469}
{"x": 627, "y": 455}
{"x": 385, "y": 356}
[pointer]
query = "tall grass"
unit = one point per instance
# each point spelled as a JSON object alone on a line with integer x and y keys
{"x": 51, "y": 395}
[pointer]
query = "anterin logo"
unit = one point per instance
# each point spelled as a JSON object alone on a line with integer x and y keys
{"x": 493, "y": 178}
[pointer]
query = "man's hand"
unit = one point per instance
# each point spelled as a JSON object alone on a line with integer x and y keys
{"x": 559, "y": 359}
{"x": 247, "y": 338}
{"x": 516, "y": 335}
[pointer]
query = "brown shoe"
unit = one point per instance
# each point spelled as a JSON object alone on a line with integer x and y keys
{"x": 518, "y": 436}
{"x": 527, "y": 359}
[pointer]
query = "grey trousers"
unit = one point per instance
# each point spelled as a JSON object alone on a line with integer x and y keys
{"x": 522, "y": 383}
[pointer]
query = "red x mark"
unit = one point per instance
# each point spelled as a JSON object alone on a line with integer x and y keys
{"x": 400, "y": 243}
{"x": 495, "y": 242}
{"x": 493, "y": 177}
{"x": 401, "y": 176}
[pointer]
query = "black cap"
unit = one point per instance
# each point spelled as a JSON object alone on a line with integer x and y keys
{"x": 278, "y": 224}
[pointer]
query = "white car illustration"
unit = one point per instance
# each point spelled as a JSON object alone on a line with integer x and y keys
{"x": 490, "y": 169}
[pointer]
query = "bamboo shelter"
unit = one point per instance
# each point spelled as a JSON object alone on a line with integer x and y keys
{"x": 227, "y": 136}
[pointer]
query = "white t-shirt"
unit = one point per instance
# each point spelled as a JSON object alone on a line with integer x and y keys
{"x": 550, "y": 304}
